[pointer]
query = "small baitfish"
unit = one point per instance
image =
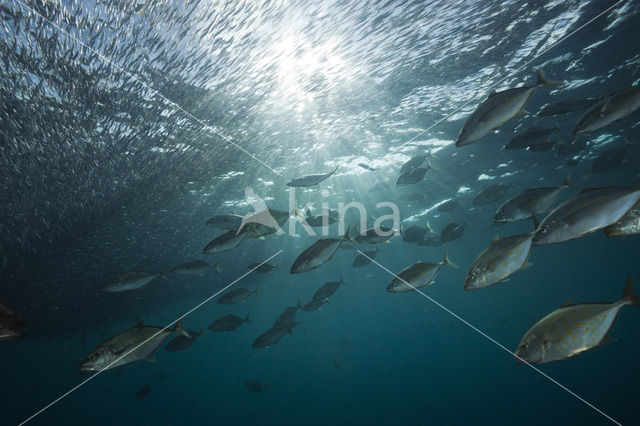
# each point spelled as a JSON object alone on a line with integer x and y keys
{"x": 311, "y": 180}
{"x": 132, "y": 281}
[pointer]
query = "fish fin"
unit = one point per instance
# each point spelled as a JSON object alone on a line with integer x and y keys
{"x": 246, "y": 319}
{"x": 496, "y": 238}
{"x": 543, "y": 80}
{"x": 604, "y": 106}
{"x": 139, "y": 324}
{"x": 342, "y": 280}
{"x": 346, "y": 235}
{"x": 630, "y": 293}
{"x": 429, "y": 166}
{"x": 429, "y": 228}
{"x": 447, "y": 261}
{"x": 536, "y": 222}
{"x": 523, "y": 112}
{"x": 218, "y": 268}
{"x": 201, "y": 331}
{"x": 493, "y": 92}
{"x": 527, "y": 265}
{"x": 179, "y": 329}
{"x": 163, "y": 275}
{"x": 606, "y": 340}
{"x": 299, "y": 305}
{"x": 256, "y": 292}
{"x": 567, "y": 303}
{"x": 401, "y": 229}
{"x": 569, "y": 183}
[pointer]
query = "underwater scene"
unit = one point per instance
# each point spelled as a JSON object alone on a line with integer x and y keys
{"x": 241, "y": 212}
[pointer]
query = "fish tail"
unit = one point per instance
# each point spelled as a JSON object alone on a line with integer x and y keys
{"x": 218, "y": 268}
{"x": 447, "y": 261}
{"x": 629, "y": 294}
{"x": 429, "y": 228}
{"x": 179, "y": 329}
{"x": 246, "y": 319}
{"x": 342, "y": 280}
{"x": 429, "y": 166}
{"x": 543, "y": 80}
{"x": 163, "y": 275}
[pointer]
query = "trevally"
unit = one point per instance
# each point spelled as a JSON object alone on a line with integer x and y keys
{"x": 496, "y": 263}
{"x": 589, "y": 211}
{"x": 225, "y": 242}
{"x": 327, "y": 290}
{"x": 491, "y": 194}
{"x": 132, "y": 281}
{"x": 236, "y": 296}
{"x": 137, "y": 343}
{"x": 530, "y": 137}
{"x": 572, "y": 329}
{"x": 418, "y": 275}
{"x": 228, "y": 323}
{"x": 533, "y": 201}
{"x": 195, "y": 267}
{"x": 566, "y": 106}
{"x": 611, "y": 109}
{"x": 629, "y": 224}
{"x": 311, "y": 180}
{"x": 225, "y": 221}
{"x": 498, "y": 108}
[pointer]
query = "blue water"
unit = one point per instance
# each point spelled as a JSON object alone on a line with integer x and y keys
{"x": 103, "y": 173}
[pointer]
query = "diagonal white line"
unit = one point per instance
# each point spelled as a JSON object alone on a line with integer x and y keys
{"x": 560, "y": 40}
{"x": 64, "y": 395}
{"x": 151, "y": 89}
{"x": 500, "y": 345}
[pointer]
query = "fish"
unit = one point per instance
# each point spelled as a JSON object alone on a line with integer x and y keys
{"x": 498, "y": 108}
{"x": 565, "y": 106}
{"x": 11, "y": 326}
{"x": 451, "y": 232}
{"x": 532, "y": 136}
{"x": 228, "y": 323}
{"x": 259, "y": 230}
{"x": 532, "y": 201}
{"x": 310, "y": 180}
{"x": 629, "y": 224}
{"x": 573, "y": 147}
{"x": 262, "y": 268}
{"x": 135, "y": 344}
{"x": 273, "y": 336}
{"x": 255, "y": 386}
{"x": 418, "y": 275}
{"x": 196, "y": 267}
{"x": 287, "y": 317}
{"x": 609, "y": 159}
{"x": 592, "y": 209}
{"x": 378, "y": 235}
{"x": 314, "y": 305}
{"x": 413, "y": 163}
{"x": 317, "y": 254}
{"x": 542, "y": 147}
{"x": 236, "y": 296}
{"x": 413, "y": 234}
{"x": 327, "y": 290}
{"x": 447, "y": 206}
{"x": 504, "y": 257}
{"x": 364, "y": 259}
{"x": 225, "y": 242}
{"x": 491, "y": 194}
{"x": 614, "y": 107}
{"x": 414, "y": 175}
{"x": 431, "y": 241}
{"x": 572, "y": 329}
{"x": 180, "y": 342}
{"x": 325, "y": 219}
{"x": 364, "y": 166}
{"x": 225, "y": 221}
{"x": 144, "y": 392}
{"x": 132, "y": 281}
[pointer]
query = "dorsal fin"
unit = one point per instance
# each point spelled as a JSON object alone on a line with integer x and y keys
{"x": 567, "y": 303}
{"x": 139, "y": 324}
{"x": 496, "y": 238}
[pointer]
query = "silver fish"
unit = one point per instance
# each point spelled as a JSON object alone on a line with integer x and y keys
{"x": 196, "y": 267}
{"x": 566, "y": 105}
{"x": 611, "y": 109}
{"x": 572, "y": 329}
{"x": 378, "y": 235}
{"x": 413, "y": 163}
{"x": 491, "y": 194}
{"x": 311, "y": 180}
{"x": 589, "y": 211}
{"x": 228, "y": 323}
{"x": 132, "y": 281}
{"x": 533, "y": 201}
{"x": 501, "y": 259}
{"x": 530, "y": 137}
{"x": 327, "y": 290}
{"x": 629, "y": 224}
{"x": 137, "y": 343}
{"x": 236, "y": 296}
{"x": 317, "y": 254}
{"x": 412, "y": 176}
{"x": 225, "y": 242}
{"x": 498, "y": 108}
{"x": 418, "y": 275}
